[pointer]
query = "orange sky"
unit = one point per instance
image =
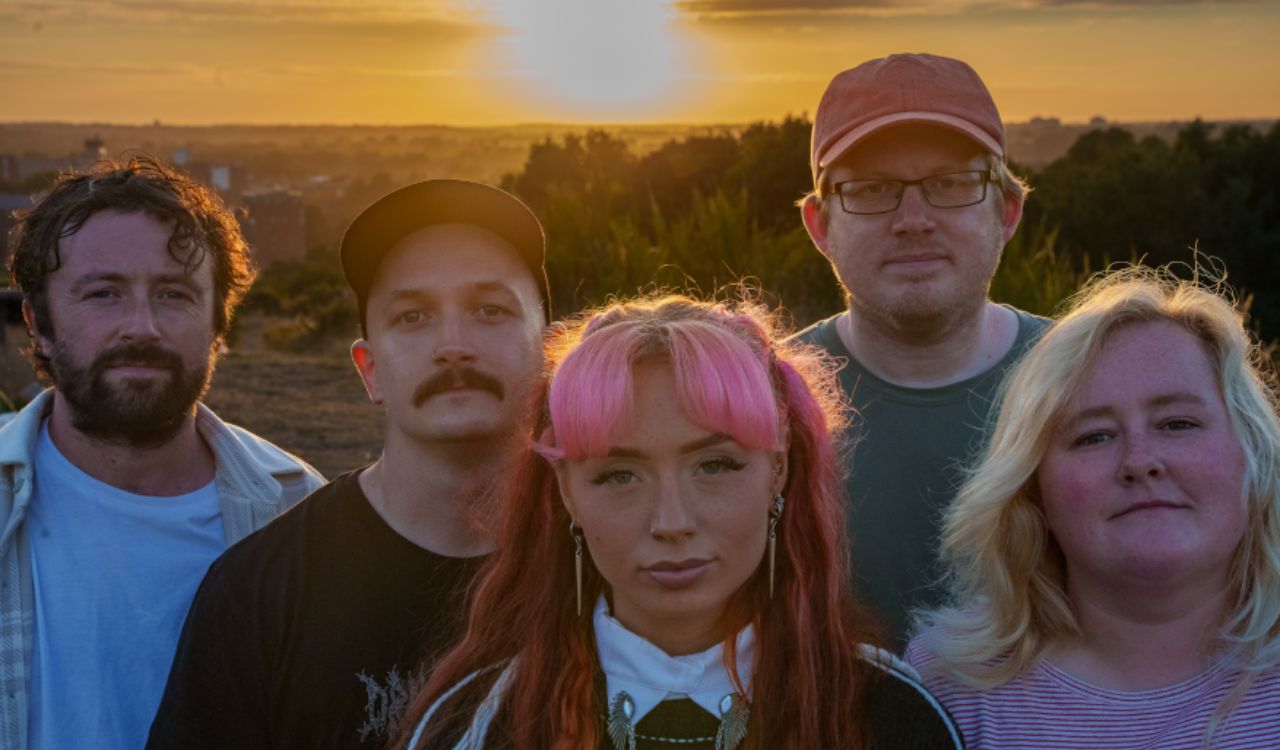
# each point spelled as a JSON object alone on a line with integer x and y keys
{"x": 474, "y": 62}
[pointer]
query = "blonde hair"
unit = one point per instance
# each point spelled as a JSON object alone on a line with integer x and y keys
{"x": 1007, "y": 574}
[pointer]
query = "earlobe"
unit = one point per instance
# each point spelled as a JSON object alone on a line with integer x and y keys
{"x": 1011, "y": 217}
{"x": 780, "y": 473}
{"x": 363, "y": 359}
{"x": 815, "y": 222}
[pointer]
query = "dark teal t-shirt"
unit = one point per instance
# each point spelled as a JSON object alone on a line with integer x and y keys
{"x": 910, "y": 446}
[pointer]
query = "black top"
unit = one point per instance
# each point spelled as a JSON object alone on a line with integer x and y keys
{"x": 311, "y": 632}
{"x": 900, "y": 714}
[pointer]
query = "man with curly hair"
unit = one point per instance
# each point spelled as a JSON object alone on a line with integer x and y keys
{"x": 117, "y": 487}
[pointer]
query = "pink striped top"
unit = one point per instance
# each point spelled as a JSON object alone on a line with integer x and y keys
{"x": 1048, "y": 709}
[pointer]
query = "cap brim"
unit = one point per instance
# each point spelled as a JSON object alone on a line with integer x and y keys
{"x": 851, "y": 138}
{"x": 393, "y": 217}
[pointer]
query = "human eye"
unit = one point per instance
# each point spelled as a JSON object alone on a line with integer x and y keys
{"x": 1092, "y": 437}
{"x": 100, "y": 293}
{"x": 614, "y": 477}
{"x": 409, "y": 317}
{"x": 176, "y": 294}
{"x": 719, "y": 465}
{"x": 1178, "y": 424}
{"x": 492, "y": 311}
{"x": 868, "y": 188}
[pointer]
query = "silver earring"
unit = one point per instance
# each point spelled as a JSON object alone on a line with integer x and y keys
{"x": 774, "y": 514}
{"x": 577, "y": 561}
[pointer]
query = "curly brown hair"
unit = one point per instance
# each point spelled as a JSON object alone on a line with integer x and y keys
{"x": 202, "y": 227}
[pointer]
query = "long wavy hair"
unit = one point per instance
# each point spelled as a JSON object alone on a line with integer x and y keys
{"x": 1008, "y": 575}
{"x": 735, "y": 374}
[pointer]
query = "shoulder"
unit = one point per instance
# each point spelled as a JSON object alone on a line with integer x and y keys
{"x": 900, "y": 710}
{"x": 19, "y": 434}
{"x": 823, "y": 334}
{"x": 1030, "y": 325}
{"x": 274, "y": 552}
{"x": 234, "y": 446}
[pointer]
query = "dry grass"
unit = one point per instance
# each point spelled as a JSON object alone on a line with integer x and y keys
{"x": 312, "y": 405}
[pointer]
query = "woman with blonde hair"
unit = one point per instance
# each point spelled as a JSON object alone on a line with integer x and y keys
{"x": 671, "y": 565}
{"x": 1114, "y": 557}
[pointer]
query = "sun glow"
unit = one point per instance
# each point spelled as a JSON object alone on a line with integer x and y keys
{"x": 596, "y": 57}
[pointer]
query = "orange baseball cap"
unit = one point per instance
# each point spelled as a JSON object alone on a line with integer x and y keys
{"x": 900, "y": 89}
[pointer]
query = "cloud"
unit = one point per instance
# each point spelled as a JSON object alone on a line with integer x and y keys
{"x": 725, "y": 9}
{"x": 422, "y": 13}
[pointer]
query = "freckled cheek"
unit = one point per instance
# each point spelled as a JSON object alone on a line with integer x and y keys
{"x": 1068, "y": 490}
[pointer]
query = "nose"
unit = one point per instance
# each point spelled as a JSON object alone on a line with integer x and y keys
{"x": 673, "y": 519}
{"x": 914, "y": 214}
{"x": 453, "y": 347}
{"x": 1141, "y": 462}
{"x": 140, "y": 323}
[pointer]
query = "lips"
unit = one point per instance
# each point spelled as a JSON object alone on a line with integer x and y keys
{"x": 678, "y": 574}
{"x": 1149, "y": 505}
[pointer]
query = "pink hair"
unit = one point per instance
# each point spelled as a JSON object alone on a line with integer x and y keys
{"x": 735, "y": 375}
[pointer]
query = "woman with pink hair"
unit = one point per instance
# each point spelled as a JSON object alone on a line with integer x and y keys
{"x": 672, "y": 567}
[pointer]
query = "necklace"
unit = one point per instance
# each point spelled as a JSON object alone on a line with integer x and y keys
{"x": 734, "y": 713}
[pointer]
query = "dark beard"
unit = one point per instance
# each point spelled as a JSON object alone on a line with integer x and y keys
{"x": 136, "y": 413}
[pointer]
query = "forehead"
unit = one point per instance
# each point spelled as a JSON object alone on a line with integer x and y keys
{"x": 448, "y": 258}
{"x": 913, "y": 148}
{"x": 124, "y": 244}
{"x": 1141, "y": 359}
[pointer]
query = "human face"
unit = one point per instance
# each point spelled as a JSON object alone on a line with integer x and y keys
{"x": 675, "y": 516}
{"x": 455, "y": 335}
{"x": 131, "y": 344}
{"x": 1144, "y": 478}
{"x": 917, "y": 265}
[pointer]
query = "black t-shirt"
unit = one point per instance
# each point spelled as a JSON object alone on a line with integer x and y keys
{"x": 312, "y": 632}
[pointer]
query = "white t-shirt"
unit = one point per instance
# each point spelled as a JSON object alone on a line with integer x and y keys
{"x": 114, "y": 574}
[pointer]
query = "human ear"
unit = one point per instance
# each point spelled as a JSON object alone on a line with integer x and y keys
{"x": 43, "y": 344}
{"x": 562, "y": 482}
{"x": 362, "y": 356}
{"x": 780, "y": 473}
{"x": 1010, "y": 215}
{"x": 815, "y": 222}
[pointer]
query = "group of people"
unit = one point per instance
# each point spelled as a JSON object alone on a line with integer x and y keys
{"x": 930, "y": 521}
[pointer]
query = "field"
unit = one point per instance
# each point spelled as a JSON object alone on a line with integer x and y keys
{"x": 311, "y": 404}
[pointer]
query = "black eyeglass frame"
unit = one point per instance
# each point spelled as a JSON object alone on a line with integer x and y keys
{"x": 987, "y": 176}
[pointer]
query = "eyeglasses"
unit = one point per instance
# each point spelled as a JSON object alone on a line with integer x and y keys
{"x": 948, "y": 190}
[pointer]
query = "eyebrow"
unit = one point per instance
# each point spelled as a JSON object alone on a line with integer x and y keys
{"x": 714, "y": 438}
{"x": 1164, "y": 399}
{"x": 115, "y": 277}
{"x": 480, "y": 287}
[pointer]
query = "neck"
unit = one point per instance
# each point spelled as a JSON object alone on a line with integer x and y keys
{"x": 436, "y": 496}
{"x": 181, "y": 464}
{"x": 1145, "y": 637}
{"x": 933, "y": 353}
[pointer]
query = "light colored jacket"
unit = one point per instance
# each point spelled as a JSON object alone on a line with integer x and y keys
{"x": 255, "y": 481}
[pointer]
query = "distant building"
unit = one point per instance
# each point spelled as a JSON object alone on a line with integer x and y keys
{"x": 228, "y": 179}
{"x": 276, "y": 227}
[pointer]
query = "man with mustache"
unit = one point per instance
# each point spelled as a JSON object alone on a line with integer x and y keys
{"x": 117, "y": 487}
{"x": 913, "y": 203}
{"x": 316, "y": 631}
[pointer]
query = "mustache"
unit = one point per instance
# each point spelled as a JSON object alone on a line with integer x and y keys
{"x": 147, "y": 354}
{"x": 456, "y": 377}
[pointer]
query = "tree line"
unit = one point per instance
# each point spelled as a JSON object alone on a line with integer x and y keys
{"x": 706, "y": 211}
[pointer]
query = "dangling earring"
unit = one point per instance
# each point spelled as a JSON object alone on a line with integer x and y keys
{"x": 774, "y": 514}
{"x": 577, "y": 561}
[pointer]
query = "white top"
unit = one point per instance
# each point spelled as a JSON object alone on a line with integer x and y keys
{"x": 650, "y": 675}
{"x": 114, "y": 574}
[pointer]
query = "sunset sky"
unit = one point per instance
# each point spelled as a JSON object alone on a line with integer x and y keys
{"x": 482, "y": 62}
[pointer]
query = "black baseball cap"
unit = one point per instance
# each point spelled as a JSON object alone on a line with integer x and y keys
{"x": 395, "y": 216}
